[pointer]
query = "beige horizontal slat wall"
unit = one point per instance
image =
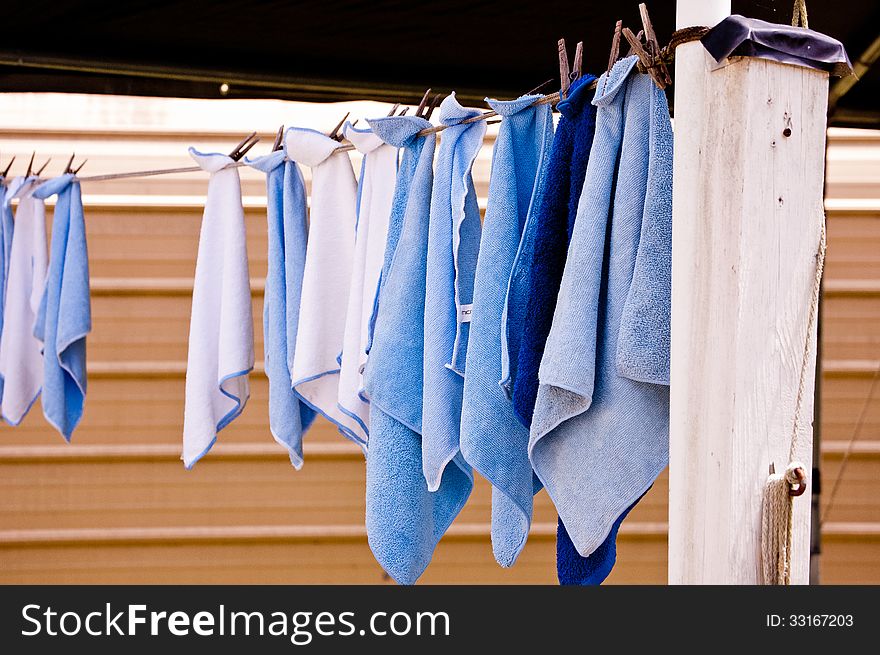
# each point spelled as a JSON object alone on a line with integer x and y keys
{"x": 117, "y": 505}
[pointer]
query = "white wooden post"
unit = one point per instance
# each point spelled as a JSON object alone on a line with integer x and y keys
{"x": 747, "y": 206}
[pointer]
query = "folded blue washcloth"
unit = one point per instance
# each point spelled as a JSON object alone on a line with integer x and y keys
{"x": 453, "y": 244}
{"x": 404, "y": 520}
{"x": 289, "y": 416}
{"x": 65, "y": 316}
{"x": 599, "y": 438}
{"x": 493, "y": 440}
{"x": 8, "y": 190}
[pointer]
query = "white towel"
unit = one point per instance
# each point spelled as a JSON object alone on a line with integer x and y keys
{"x": 21, "y": 357}
{"x": 221, "y": 331}
{"x": 327, "y": 275}
{"x": 375, "y": 193}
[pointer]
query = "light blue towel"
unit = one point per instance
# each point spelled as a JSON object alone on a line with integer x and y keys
{"x": 65, "y": 316}
{"x": 289, "y": 416}
{"x": 600, "y": 436}
{"x": 453, "y": 244}
{"x": 493, "y": 440}
{"x": 8, "y": 189}
{"x": 404, "y": 520}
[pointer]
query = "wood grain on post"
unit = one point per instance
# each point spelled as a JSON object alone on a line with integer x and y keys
{"x": 747, "y": 216}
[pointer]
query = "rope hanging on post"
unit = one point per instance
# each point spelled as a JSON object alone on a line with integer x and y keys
{"x": 799, "y": 14}
{"x": 777, "y": 525}
{"x": 777, "y": 508}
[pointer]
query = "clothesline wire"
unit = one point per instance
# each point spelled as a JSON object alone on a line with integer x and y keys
{"x": 666, "y": 55}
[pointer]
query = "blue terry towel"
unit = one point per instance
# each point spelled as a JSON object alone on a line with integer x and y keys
{"x": 453, "y": 244}
{"x": 553, "y": 224}
{"x": 493, "y": 441}
{"x": 8, "y": 190}
{"x": 574, "y": 569}
{"x": 599, "y": 436}
{"x": 289, "y": 415}
{"x": 404, "y": 520}
{"x": 65, "y": 316}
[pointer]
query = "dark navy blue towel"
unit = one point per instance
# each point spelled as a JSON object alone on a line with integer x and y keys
{"x": 555, "y": 220}
{"x": 572, "y": 569}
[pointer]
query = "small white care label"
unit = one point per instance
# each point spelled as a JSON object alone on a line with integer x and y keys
{"x": 464, "y": 313}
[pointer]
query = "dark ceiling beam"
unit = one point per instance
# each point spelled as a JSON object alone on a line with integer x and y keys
{"x": 861, "y": 66}
{"x": 231, "y": 83}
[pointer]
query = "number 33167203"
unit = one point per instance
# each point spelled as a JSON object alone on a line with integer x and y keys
{"x": 810, "y": 620}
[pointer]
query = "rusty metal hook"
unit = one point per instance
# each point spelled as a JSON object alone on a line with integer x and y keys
{"x": 801, "y": 483}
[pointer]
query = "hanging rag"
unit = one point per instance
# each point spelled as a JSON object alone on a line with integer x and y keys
{"x": 600, "y": 429}
{"x": 375, "y": 194}
{"x": 553, "y": 224}
{"x": 289, "y": 415}
{"x": 493, "y": 440}
{"x": 221, "y": 332}
{"x": 9, "y": 189}
{"x": 453, "y": 245}
{"x": 64, "y": 317}
{"x": 552, "y": 228}
{"x": 326, "y": 277}
{"x": 21, "y": 356}
{"x": 404, "y": 520}
{"x": 572, "y": 568}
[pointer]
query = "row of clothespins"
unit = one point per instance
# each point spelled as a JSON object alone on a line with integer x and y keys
{"x": 425, "y": 110}
{"x": 68, "y": 169}
{"x": 644, "y": 45}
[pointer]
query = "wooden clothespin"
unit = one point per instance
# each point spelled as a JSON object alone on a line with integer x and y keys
{"x": 614, "y": 55}
{"x": 393, "y": 109}
{"x": 403, "y": 111}
{"x": 334, "y": 134}
{"x": 649, "y": 54}
{"x": 615, "y": 51}
{"x": 651, "y": 39}
{"x": 69, "y": 167}
{"x": 568, "y": 75}
{"x": 639, "y": 37}
{"x": 279, "y": 136}
{"x": 432, "y": 106}
{"x": 421, "y": 108}
{"x": 578, "y": 61}
{"x": 39, "y": 171}
{"x": 6, "y": 172}
{"x": 563, "y": 68}
{"x": 244, "y": 145}
{"x": 30, "y": 164}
